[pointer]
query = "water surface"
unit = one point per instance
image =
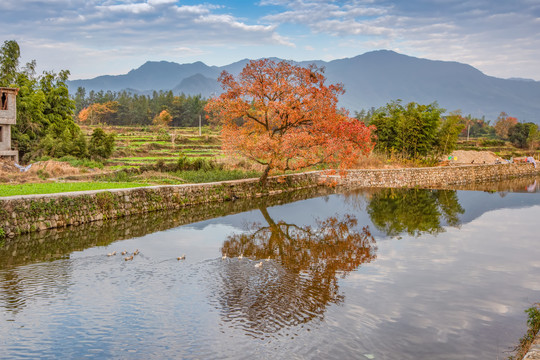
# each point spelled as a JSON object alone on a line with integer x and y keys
{"x": 378, "y": 274}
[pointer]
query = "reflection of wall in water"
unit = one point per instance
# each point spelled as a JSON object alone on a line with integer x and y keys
{"x": 54, "y": 280}
{"x": 523, "y": 184}
{"x": 57, "y": 243}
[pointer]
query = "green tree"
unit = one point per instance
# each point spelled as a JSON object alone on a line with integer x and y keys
{"x": 9, "y": 62}
{"x": 534, "y": 137}
{"x": 521, "y": 133}
{"x": 61, "y": 141}
{"x": 130, "y": 109}
{"x": 44, "y": 109}
{"x": 101, "y": 145}
{"x": 447, "y": 135}
{"x": 80, "y": 99}
{"x": 411, "y": 130}
{"x": 475, "y": 127}
{"x": 364, "y": 116}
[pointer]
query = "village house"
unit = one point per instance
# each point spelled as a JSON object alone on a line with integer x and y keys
{"x": 8, "y": 117}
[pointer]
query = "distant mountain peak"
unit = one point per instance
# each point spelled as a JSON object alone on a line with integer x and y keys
{"x": 521, "y": 79}
{"x": 370, "y": 80}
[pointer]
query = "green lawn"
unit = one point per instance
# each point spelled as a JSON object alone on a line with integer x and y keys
{"x": 202, "y": 176}
{"x": 51, "y": 188}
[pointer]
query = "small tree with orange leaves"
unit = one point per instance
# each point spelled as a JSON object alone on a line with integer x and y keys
{"x": 164, "y": 118}
{"x": 284, "y": 117}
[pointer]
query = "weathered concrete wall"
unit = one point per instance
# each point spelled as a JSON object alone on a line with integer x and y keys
{"x": 23, "y": 214}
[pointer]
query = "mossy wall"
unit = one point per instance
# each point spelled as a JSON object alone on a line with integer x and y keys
{"x": 29, "y": 213}
{"x": 57, "y": 243}
{"x": 23, "y": 214}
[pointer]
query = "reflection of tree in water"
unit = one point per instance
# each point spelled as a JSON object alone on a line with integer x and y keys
{"x": 20, "y": 286}
{"x": 414, "y": 211}
{"x": 12, "y": 292}
{"x": 300, "y": 281}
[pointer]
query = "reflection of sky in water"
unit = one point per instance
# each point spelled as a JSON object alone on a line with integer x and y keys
{"x": 459, "y": 294}
{"x": 307, "y": 211}
{"x": 470, "y": 283}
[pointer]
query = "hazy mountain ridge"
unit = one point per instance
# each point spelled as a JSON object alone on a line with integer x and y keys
{"x": 370, "y": 80}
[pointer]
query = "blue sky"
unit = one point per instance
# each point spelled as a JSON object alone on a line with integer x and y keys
{"x": 96, "y": 37}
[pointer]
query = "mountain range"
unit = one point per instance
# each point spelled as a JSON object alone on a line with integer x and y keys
{"x": 370, "y": 80}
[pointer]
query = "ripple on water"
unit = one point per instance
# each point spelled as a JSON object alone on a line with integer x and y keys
{"x": 95, "y": 306}
{"x": 264, "y": 303}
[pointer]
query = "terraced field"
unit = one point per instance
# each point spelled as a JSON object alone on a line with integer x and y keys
{"x": 137, "y": 146}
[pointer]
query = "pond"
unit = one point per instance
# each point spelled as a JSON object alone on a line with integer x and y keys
{"x": 319, "y": 274}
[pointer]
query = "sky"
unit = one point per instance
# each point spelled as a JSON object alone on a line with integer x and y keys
{"x": 96, "y": 37}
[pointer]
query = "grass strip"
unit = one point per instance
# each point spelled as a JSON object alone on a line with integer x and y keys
{"x": 52, "y": 188}
{"x": 204, "y": 176}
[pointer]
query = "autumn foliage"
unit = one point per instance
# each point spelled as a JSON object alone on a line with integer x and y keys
{"x": 164, "y": 118}
{"x": 98, "y": 113}
{"x": 504, "y": 124}
{"x": 284, "y": 117}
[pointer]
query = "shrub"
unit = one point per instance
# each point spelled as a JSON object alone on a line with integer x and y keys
{"x": 163, "y": 135}
{"x": 101, "y": 145}
{"x": 73, "y": 161}
{"x": 43, "y": 175}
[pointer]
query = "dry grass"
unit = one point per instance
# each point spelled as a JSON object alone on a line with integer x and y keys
{"x": 40, "y": 172}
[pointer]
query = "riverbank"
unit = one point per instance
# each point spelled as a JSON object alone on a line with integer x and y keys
{"x": 29, "y": 213}
{"x": 534, "y": 350}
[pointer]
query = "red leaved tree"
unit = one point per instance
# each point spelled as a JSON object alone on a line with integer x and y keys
{"x": 504, "y": 124}
{"x": 284, "y": 117}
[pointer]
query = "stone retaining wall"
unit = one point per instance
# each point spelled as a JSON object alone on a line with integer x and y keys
{"x": 57, "y": 243}
{"x": 435, "y": 177}
{"x": 23, "y": 214}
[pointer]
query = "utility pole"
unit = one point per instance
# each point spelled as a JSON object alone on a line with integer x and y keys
{"x": 200, "y": 133}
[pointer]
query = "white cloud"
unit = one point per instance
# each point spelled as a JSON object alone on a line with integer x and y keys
{"x": 129, "y": 8}
{"x": 193, "y": 9}
{"x": 498, "y": 37}
{"x": 118, "y": 27}
{"x": 161, "y": 2}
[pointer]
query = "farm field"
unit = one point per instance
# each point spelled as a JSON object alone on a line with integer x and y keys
{"x": 137, "y": 146}
{"x": 143, "y": 156}
{"x": 146, "y": 156}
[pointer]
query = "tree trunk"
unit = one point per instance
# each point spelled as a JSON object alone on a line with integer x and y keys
{"x": 264, "y": 176}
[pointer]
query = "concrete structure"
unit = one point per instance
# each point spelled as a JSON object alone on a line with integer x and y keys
{"x": 8, "y": 117}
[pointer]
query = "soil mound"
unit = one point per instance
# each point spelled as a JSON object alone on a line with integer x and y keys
{"x": 473, "y": 157}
